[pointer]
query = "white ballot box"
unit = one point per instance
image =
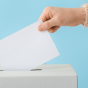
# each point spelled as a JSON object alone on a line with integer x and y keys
{"x": 44, "y": 76}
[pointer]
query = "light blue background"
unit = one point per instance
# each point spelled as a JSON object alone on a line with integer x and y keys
{"x": 72, "y": 42}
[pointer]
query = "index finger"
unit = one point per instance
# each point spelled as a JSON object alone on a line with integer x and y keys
{"x": 42, "y": 17}
{"x": 45, "y": 15}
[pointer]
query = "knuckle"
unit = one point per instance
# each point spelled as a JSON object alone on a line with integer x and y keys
{"x": 47, "y": 8}
{"x": 47, "y": 24}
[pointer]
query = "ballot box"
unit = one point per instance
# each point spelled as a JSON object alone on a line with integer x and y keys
{"x": 44, "y": 76}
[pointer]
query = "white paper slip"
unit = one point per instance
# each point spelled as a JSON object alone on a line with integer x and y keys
{"x": 26, "y": 49}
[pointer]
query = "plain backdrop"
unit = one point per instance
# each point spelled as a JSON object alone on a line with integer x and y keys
{"x": 71, "y": 42}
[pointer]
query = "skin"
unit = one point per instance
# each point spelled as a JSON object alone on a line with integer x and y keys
{"x": 54, "y": 17}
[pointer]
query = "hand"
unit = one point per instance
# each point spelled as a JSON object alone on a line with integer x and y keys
{"x": 54, "y": 17}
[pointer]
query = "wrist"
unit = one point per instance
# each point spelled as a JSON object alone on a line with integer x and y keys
{"x": 81, "y": 15}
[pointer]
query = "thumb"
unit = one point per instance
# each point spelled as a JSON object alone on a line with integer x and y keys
{"x": 46, "y": 25}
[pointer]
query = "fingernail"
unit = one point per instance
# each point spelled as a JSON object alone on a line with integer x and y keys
{"x": 40, "y": 28}
{"x": 50, "y": 31}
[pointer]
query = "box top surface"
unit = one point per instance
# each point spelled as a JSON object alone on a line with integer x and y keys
{"x": 47, "y": 70}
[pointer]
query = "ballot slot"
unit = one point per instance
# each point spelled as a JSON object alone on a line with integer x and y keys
{"x": 32, "y": 70}
{"x": 36, "y": 70}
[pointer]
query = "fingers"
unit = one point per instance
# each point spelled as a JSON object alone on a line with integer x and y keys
{"x": 46, "y": 25}
{"x": 49, "y": 21}
{"x": 53, "y": 29}
{"x": 46, "y": 14}
{"x": 43, "y": 17}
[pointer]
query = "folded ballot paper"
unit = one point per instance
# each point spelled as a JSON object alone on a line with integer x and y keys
{"x": 26, "y": 49}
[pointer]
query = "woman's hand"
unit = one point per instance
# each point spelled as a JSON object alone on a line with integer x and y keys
{"x": 54, "y": 17}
